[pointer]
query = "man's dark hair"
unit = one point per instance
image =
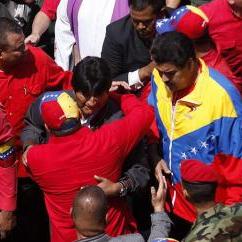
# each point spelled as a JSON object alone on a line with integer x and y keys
{"x": 7, "y": 26}
{"x": 90, "y": 203}
{"x": 200, "y": 192}
{"x": 91, "y": 76}
{"x": 140, "y": 5}
{"x": 174, "y": 48}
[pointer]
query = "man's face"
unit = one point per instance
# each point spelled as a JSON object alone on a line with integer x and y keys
{"x": 174, "y": 77}
{"x": 144, "y": 22}
{"x": 14, "y": 50}
{"x": 89, "y": 105}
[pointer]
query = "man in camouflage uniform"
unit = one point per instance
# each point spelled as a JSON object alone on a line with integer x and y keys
{"x": 215, "y": 222}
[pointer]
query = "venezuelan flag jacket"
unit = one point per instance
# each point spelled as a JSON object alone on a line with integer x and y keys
{"x": 205, "y": 125}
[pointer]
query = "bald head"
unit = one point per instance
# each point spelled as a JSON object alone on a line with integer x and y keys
{"x": 89, "y": 211}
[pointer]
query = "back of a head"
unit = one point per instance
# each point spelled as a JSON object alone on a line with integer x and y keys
{"x": 89, "y": 211}
{"x": 200, "y": 193}
{"x": 199, "y": 180}
{"x": 91, "y": 76}
{"x": 60, "y": 113}
{"x": 172, "y": 47}
{"x": 140, "y": 5}
{"x": 7, "y": 26}
{"x": 188, "y": 20}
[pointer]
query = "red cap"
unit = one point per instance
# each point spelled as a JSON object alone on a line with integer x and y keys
{"x": 57, "y": 107}
{"x": 197, "y": 171}
{"x": 193, "y": 23}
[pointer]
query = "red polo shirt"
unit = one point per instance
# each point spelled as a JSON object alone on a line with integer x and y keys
{"x": 67, "y": 163}
{"x": 225, "y": 29}
{"x": 49, "y": 7}
{"x": 34, "y": 74}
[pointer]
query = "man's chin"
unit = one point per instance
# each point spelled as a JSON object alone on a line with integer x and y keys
{"x": 145, "y": 36}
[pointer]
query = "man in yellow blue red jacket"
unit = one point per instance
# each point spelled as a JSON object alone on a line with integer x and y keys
{"x": 198, "y": 113}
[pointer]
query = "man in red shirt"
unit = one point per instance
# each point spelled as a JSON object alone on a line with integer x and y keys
{"x": 225, "y": 25}
{"x": 74, "y": 155}
{"x": 7, "y": 176}
{"x": 25, "y": 72}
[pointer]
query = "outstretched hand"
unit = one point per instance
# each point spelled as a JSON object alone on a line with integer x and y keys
{"x": 119, "y": 85}
{"x": 110, "y": 188}
{"x": 158, "y": 197}
{"x": 160, "y": 168}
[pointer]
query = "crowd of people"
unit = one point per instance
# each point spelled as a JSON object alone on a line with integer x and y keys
{"x": 120, "y": 120}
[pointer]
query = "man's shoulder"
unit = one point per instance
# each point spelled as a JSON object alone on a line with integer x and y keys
{"x": 217, "y": 223}
{"x": 211, "y": 8}
{"x": 129, "y": 238}
{"x": 120, "y": 28}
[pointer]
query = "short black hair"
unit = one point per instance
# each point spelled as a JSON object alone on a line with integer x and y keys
{"x": 140, "y": 5}
{"x": 200, "y": 192}
{"x": 8, "y": 26}
{"x": 91, "y": 76}
{"x": 172, "y": 47}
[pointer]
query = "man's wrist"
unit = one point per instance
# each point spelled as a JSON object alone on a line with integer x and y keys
{"x": 159, "y": 209}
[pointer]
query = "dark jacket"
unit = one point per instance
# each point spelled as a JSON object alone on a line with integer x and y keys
{"x": 123, "y": 49}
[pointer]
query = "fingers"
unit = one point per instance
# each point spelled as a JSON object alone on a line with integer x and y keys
{"x": 125, "y": 85}
{"x": 32, "y": 39}
{"x": 153, "y": 193}
{"x": 162, "y": 186}
{"x": 117, "y": 84}
{"x": 164, "y": 167}
{"x": 158, "y": 171}
{"x": 99, "y": 178}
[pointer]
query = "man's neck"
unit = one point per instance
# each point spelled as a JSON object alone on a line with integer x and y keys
{"x": 80, "y": 236}
{"x": 201, "y": 208}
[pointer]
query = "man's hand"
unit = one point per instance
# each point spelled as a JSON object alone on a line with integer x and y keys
{"x": 110, "y": 188}
{"x": 7, "y": 222}
{"x": 119, "y": 84}
{"x": 158, "y": 198}
{"x": 32, "y": 39}
{"x": 161, "y": 167}
{"x": 146, "y": 71}
{"x": 24, "y": 156}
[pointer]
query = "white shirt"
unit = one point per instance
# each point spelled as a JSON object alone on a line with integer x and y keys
{"x": 93, "y": 17}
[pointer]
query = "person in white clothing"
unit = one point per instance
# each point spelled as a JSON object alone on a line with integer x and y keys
{"x": 82, "y": 25}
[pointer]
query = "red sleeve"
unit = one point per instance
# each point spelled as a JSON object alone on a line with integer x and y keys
{"x": 127, "y": 132}
{"x": 49, "y": 7}
{"x": 57, "y": 78}
{"x": 7, "y": 174}
{"x": 8, "y": 188}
